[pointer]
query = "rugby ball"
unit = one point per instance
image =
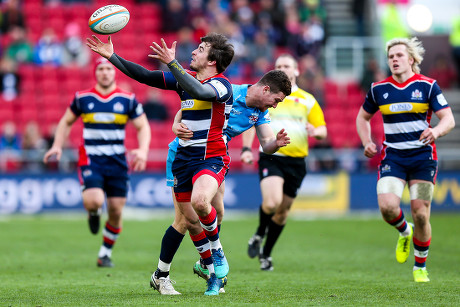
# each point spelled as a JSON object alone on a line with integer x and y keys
{"x": 109, "y": 19}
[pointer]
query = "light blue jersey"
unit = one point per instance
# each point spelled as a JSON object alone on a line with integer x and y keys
{"x": 241, "y": 119}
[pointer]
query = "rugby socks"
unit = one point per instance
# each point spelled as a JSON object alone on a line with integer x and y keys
{"x": 203, "y": 247}
{"x": 420, "y": 253}
{"x": 400, "y": 224}
{"x": 169, "y": 246}
{"x": 273, "y": 233}
{"x": 209, "y": 224}
{"x": 110, "y": 235}
{"x": 264, "y": 220}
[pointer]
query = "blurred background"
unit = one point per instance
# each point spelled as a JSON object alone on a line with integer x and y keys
{"x": 340, "y": 48}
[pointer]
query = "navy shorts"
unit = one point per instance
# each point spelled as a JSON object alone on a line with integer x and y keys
{"x": 186, "y": 172}
{"x": 408, "y": 169}
{"x": 292, "y": 170}
{"x": 113, "y": 180}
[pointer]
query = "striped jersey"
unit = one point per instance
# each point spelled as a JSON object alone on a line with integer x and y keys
{"x": 293, "y": 114}
{"x": 206, "y": 119}
{"x": 104, "y": 119}
{"x": 406, "y": 109}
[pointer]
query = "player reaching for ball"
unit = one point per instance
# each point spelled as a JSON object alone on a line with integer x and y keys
{"x": 201, "y": 163}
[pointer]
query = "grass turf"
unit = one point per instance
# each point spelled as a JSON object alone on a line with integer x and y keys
{"x": 51, "y": 261}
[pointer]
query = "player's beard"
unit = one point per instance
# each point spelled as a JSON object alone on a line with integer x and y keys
{"x": 106, "y": 85}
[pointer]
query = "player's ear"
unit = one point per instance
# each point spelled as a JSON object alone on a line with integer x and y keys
{"x": 296, "y": 73}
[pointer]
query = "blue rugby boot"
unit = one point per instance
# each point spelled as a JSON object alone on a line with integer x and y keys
{"x": 220, "y": 263}
{"x": 215, "y": 284}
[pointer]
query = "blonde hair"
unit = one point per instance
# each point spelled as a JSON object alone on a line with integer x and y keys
{"x": 414, "y": 48}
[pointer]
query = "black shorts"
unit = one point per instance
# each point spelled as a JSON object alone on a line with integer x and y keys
{"x": 292, "y": 170}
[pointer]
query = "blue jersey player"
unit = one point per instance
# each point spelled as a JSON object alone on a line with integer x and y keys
{"x": 202, "y": 161}
{"x": 407, "y": 101}
{"x": 103, "y": 170}
{"x": 250, "y": 105}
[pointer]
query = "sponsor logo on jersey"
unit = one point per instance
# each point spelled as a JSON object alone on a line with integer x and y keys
{"x": 400, "y": 107}
{"x": 187, "y": 104}
{"x": 385, "y": 96}
{"x": 104, "y": 117}
{"x": 90, "y": 105}
{"x": 118, "y": 107}
{"x": 417, "y": 95}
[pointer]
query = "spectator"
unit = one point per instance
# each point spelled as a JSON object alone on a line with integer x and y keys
{"x": 174, "y": 16}
{"x": 454, "y": 40}
{"x": 33, "y": 148}
{"x": 74, "y": 51}
{"x": 19, "y": 49}
{"x": 358, "y": 9}
{"x": 186, "y": 46}
{"x": 154, "y": 109}
{"x": 10, "y": 140}
{"x": 48, "y": 49}
{"x": 273, "y": 13}
{"x": 371, "y": 73}
{"x": 392, "y": 23}
{"x": 10, "y": 147}
{"x": 260, "y": 47}
{"x": 442, "y": 72}
{"x": 9, "y": 79}
{"x": 12, "y": 16}
{"x": 311, "y": 77}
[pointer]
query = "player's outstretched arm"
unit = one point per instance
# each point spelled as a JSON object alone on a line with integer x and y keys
{"x": 62, "y": 132}
{"x": 191, "y": 85}
{"x": 135, "y": 71}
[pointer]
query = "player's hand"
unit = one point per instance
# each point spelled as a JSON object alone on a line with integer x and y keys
{"x": 247, "y": 157}
{"x": 428, "y": 136}
{"x": 182, "y": 132}
{"x": 282, "y": 138}
{"x": 104, "y": 49}
{"x": 370, "y": 150}
{"x": 163, "y": 53}
{"x": 139, "y": 159}
{"x": 53, "y": 151}
{"x": 310, "y": 130}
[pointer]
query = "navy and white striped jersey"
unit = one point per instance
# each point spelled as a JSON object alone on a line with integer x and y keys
{"x": 206, "y": 119}
{"x": 104, "y": 119}
{"x": 406, "y": 109}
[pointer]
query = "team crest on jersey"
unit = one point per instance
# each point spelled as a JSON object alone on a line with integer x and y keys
{"x": 385, "y": 96}
{"x": 118, "y": 107}
{"x": 417, "y": 95}
{"x": 253, "y": 118}
{"x": 386, "y": 168}
{"x": 90, "y": 105}
{"x": 87, "y": 173}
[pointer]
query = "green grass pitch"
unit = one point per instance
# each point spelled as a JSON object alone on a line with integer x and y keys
{"x": 51, "y": 261}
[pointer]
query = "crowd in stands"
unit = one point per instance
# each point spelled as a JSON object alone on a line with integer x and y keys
{"x": 44, "y": 60}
